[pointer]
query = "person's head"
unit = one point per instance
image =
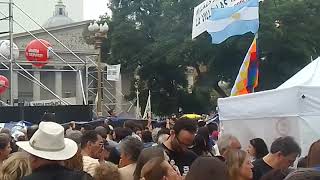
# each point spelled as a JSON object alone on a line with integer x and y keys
{"x": 154, "y": 134}
{"x": 133, "y": 125}
{"x": 284, "y": 151}
{"x": 207, "y": 168}
{"x": 6, "y": 131}
{"x": 200, "y": 145}
{"x": 92, "y": 143}
{"x": 130, "y": 149}
{"x": 106, "y": 171}
{"x": 159, "y": 169}
{"x": 31, "y": 130}
{"x": 15, "y": 167}
{"x": 162, "y": 138}
{"x": 276, "y": 174}
{"x": 182, "y": 135}
{"x": 239, "y": 164}
{"x": 162, "y": 135}
{"x": 146, "y": 136}
{"x": 212, "y": 127}
{"x": 5, "y": 148}
{"x": 48, "y": 145}
{"x": 257, "y": 148}
{"x": 76, "y": 162}
{"x": 86, "y": 127}
{"x": 75, "y": 135}
{"x": 121, "y": 133}
{"x": 72, "y": 125}
{"x": 111, "y": 112}
{"x": 227, "y": 142}
{"x": 303, "y": 174}
{"x": 201, "y": 123}
{"x": 313, "y": 158}
{"x": 145, "y": 156}
{"x": 102, "y": 131}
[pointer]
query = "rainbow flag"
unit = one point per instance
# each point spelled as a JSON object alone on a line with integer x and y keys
{"x": 247, "y": 78}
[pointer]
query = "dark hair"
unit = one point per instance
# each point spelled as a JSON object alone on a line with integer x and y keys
{"x": 102, "y": 131}
{"x": 212, "y": 127}
{"x": 131, "y": 124}
{"x": 260, "y": 147}
{"x": 114, "y": 156}
{"x": 201, "y": 123}
{"x": 4, "y": 140}
{"x": 146, "y": 136}
{"x": 132, "y": 147}
{"x": 88, "y": 136}
{"x": 201, "y": 141}
{"x": 206, "y": 168}
{"x": 185, "y": 124}
{"x": 313, "y": 158}
{"x": 276, "y": 174}
{"x": 145, "y": 155}
{"x": 286, "y": 145}
{"x": 199, "y": 145}
{"x": 88, "y": 127}
{"x": 31, "y": 130}
{"x": 303, "y": 162}
{"x": 122, "y": 133}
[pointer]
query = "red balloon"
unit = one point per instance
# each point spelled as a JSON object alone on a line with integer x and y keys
{"x": 38, "y": 53}
{"x": 4, "y": 84}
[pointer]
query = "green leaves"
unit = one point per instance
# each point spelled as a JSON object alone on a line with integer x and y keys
{"x": 157, "y": 35}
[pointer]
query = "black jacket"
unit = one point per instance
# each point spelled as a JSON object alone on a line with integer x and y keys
{"x": 57, "y": 172}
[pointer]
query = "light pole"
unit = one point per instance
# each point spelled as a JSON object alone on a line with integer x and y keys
{"x": 99, "y": 34}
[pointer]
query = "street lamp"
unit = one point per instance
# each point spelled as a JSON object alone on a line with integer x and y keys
{"x": 99, "y": 34}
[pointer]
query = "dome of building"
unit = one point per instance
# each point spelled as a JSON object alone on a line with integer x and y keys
{"x": 60, "y": 16}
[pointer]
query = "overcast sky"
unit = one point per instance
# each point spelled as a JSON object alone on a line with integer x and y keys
{"x": 94, "y": 8}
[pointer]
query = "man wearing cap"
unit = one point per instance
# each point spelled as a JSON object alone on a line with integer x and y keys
{"x": 48, "y": 149}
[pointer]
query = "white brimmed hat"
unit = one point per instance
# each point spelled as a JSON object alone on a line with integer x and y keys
{"x": 48, "y": 142}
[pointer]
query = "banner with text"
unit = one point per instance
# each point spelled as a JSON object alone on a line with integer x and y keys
{"x": 202, "y": 13}
{"x": 53, "y": 102}
{"x": 113, "y": 72}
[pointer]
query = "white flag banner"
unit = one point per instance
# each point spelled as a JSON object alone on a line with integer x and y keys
{"x": 202, "y": 13}
{"x": 113, "y": 72}
{"x": 147, "y": 110}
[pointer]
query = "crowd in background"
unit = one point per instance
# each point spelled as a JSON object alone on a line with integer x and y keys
{"x": 181, "y": 149}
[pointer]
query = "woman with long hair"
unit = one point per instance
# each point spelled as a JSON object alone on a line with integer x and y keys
{"x": 239, "y": 165}
{"x": 201, "y": 142}
{"x": 15, "y": 167}
{"x": 257, "y": 149}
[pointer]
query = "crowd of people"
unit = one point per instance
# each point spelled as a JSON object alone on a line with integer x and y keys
{"x": 181, "y": 149}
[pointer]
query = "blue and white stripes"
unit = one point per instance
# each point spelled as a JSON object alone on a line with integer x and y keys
{"x": 232, "y": 21}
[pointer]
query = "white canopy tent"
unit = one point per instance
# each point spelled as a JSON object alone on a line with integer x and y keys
{"x": 292, "y": 109}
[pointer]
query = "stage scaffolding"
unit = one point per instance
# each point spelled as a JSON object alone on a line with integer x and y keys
{"x": 85, "y": 69}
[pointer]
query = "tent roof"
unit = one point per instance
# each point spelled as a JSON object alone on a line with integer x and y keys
{"x": 297, "y": 96}
{"x": 308, "y": 76}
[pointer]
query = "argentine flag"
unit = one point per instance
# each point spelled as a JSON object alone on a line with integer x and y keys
{"x": 232, "y": 21}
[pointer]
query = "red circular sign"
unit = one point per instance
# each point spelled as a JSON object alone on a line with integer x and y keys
{"x": 38, "y": 52}
{"x": 4, "y": 84}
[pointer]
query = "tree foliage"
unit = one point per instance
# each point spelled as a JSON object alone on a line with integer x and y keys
{"x": 156, "y": 34}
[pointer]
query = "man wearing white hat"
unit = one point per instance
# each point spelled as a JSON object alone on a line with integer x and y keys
{"x": 48, "y": 149}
